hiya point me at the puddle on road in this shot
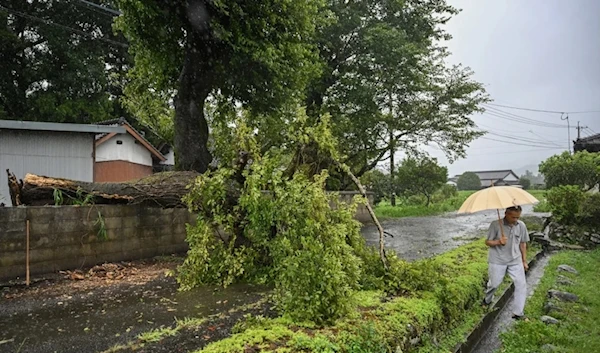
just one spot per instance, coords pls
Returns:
(422, 237)
(95, 321)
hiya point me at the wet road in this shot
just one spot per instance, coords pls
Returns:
(103, 317)
(422, 237)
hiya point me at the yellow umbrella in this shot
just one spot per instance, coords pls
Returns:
(496, 197)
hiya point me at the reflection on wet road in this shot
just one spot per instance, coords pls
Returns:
(420, 237)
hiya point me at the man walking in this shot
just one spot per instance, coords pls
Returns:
(507, 241)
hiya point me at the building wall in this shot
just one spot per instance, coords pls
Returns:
(511, 177)
(54, 154)
(170, 158)
(116, 171)
(130, 151)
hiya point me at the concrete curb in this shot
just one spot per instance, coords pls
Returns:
(473, 338)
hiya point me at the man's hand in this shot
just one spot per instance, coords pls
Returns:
(525, 265)
(502, 240)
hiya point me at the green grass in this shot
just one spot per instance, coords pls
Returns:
(385, 210)
(379, 323)
(403, 208)
(578, 330)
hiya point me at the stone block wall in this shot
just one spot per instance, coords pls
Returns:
(69, 237)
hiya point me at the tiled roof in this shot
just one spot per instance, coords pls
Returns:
(493, 174)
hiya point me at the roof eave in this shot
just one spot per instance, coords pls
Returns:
(59, 127)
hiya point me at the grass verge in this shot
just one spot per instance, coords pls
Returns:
(380, 323)
(578, 330)
(385, 210)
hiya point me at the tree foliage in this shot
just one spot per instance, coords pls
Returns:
(256, 225)
(581, 169)
(61, 62)
(377, 182)
(421, 176)
(468, 181)
(259, 54)
(525, 182)
(385, 84)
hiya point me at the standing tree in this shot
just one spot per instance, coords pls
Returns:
(525, 182)
(581, 169)
(60, 62)
(421, 176)
(257, 53)
(385, 84)
(468, 181)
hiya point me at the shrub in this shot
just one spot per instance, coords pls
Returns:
(590, 210)
(581, 169)
(565, 203)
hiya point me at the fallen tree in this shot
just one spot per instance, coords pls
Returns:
(164, 189)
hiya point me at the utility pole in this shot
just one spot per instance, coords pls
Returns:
(579, 130)
(568, 130)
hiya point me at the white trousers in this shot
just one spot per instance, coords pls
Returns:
(496, 275)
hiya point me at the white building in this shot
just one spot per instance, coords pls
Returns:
(51, 149)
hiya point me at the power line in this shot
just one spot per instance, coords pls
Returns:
(522, 118)
(525, 122)
(522, 139)
(544, 111)
(82, 5)
(50, 23)
(517, 143)
(544, 139)
(518, 151)
(105, 8)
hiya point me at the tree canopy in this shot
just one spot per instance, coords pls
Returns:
(60, 62)
(581, 169)
(259, 54)
(421, 176)
(385, 82)
(468, 181)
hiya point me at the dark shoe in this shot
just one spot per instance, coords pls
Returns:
(485, 304)
(520, 318)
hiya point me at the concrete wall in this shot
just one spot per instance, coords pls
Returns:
(66, 237)
(54, 154)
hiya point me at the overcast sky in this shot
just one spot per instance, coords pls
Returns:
(540, 54)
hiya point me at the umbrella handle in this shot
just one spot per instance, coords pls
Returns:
(501, 225)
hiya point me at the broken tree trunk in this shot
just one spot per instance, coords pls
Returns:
(363, 192)
(161, 189)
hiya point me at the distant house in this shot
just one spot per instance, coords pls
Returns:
(590, 144)
(169, 163)
(124, 157)
(51, 149)
(497, 178)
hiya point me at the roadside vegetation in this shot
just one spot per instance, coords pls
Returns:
(578, 330)
(432, 299)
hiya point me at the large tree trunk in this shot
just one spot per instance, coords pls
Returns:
(160, 190)
(191, 127)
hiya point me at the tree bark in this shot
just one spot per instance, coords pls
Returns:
(191, 127)
(160, 190)
(392, 167)
(363, 192)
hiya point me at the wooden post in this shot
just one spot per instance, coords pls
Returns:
(27, 257)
